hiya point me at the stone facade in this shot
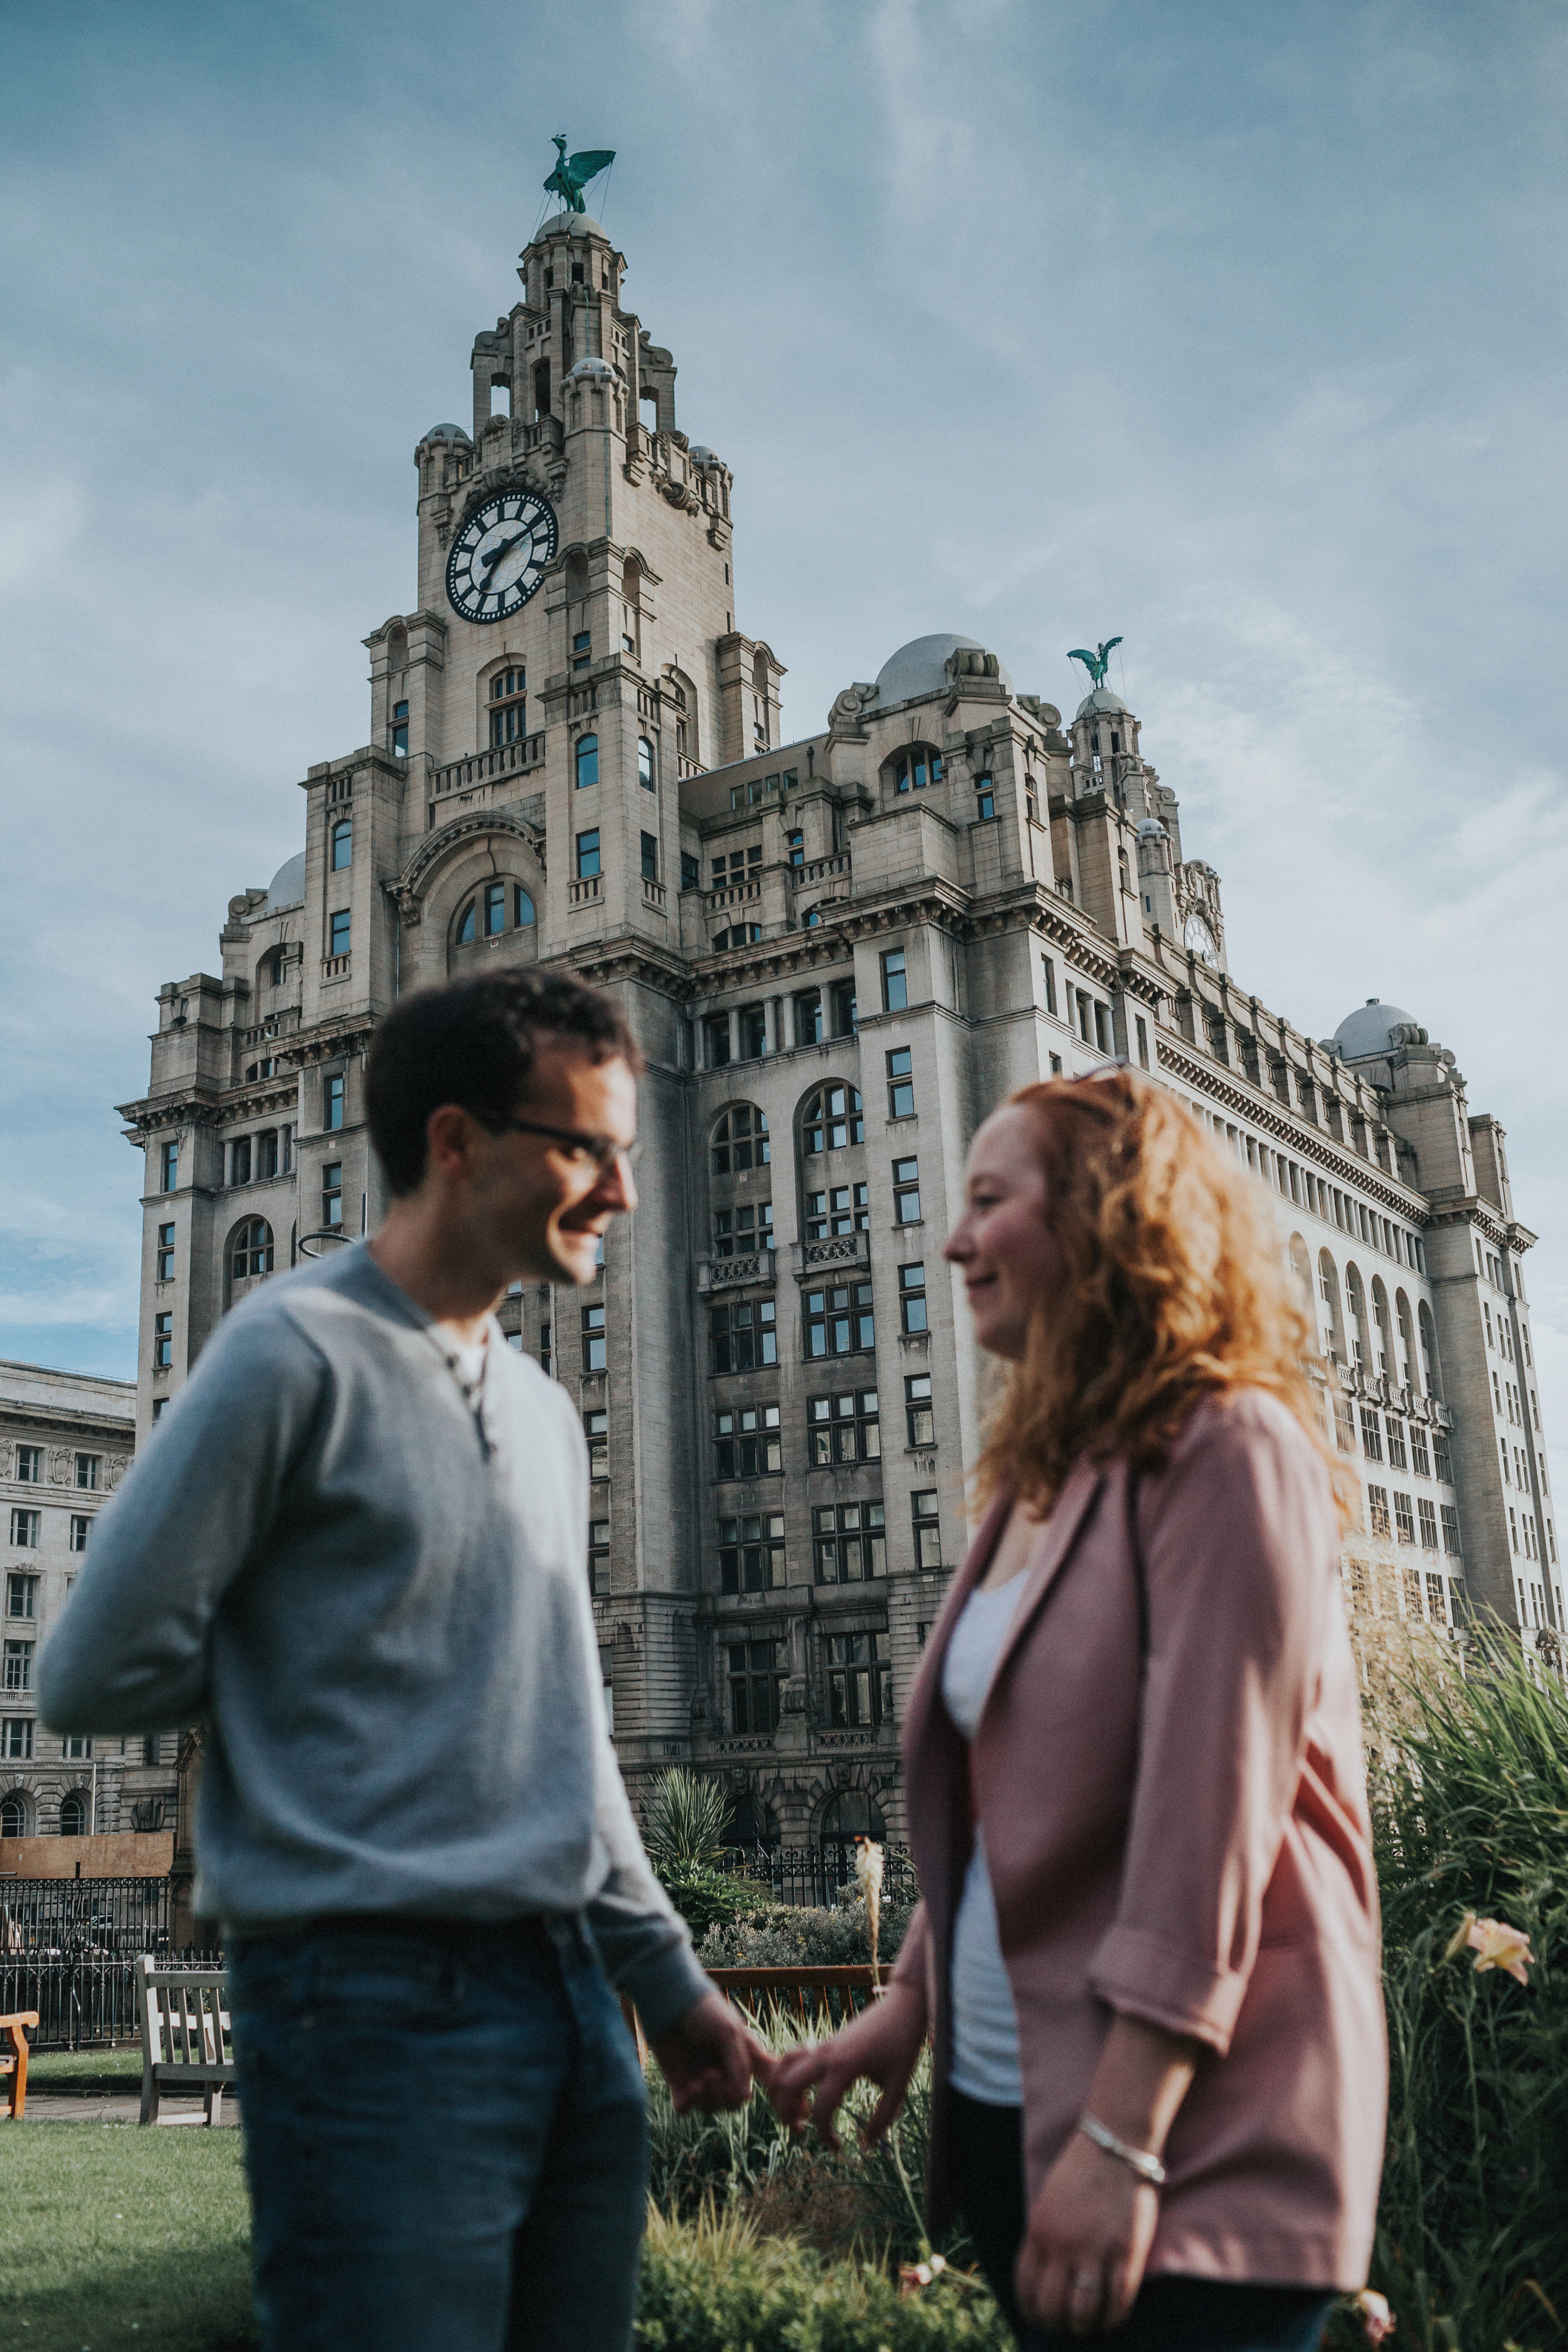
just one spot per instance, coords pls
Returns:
(837, 954)
(66, 1443)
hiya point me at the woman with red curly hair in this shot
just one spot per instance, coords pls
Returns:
(1147, 1949)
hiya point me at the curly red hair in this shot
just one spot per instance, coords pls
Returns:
(1175, 1288)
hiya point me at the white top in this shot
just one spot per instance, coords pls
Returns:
(984, 2023)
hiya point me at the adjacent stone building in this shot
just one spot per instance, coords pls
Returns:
(837, 954)
(66, 1442)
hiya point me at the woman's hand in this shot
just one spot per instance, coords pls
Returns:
(1082, 2261)
(882, 2045)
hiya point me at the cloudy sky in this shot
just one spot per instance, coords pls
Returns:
(1235, 329)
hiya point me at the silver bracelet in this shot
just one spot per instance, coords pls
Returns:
(1148, 2168)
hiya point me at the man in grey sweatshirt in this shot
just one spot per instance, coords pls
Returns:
(357, 1549)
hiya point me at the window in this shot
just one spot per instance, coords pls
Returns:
(906, 1192)
(495, 909)
(252, 1250)
(739, 935)
(691, 871)
(21, 1594)
(833, 1118)
(400, 729)
(842, 1209)
(163, 1343)
(644, 763)
(522, 907)
(73, 1814)
(839, 1322)
(594, 1340)
(809, 1019)
(13, 1814)
(649, 842)
(842, 1002)
(1428, 1519)
(239, 1160)
(985, 800)
(716, 1030)
(747, 1444)
(752, 1552)
(756, 1678)
(588, 758)
(859, 1681)
(919, 1419)
(18, 1665)
(1404, 1518)
(731, 870)
(739, 1140)
(509, 720)
(1420, 1461)
(467, 931)
(843, 1428)
(900, 1083)
(342, 845)
(742, 1338)
(332, 1194)
(1395, 1432)
(16, 1745)
(544, 1347)
(587, 855)
(339, 929)
(333, 1104)
(1371, 1435)
(912, 1298)
(160, 1405)
(1056, 1066)
(582, 649)
(267, 1153)
(88, 1469)
(794, 844)
(1441, 1460)
(752, 1024)
(1142, 1036)
(1378, 1498)
(895, 981)
(916, 770)
(595, 1429)
(79, 1525)
(927, 1521)
(598, 1555)
(30, 1466)
(849, 1543)
(740, 1231)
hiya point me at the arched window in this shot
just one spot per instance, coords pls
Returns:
(644, 763)
(274, 967)
(1407, 1372)
(509, 705)
(1328, 1291)
(13, 1814)
(342, 845)
(251, 1249)
(831, 1119)
(467, 924)
(913, 770)
(1429, 1352)
(846, 1817)
(740, 1141)
(73, 1814)
(752, 1824)
(587, 758)
(522, 909)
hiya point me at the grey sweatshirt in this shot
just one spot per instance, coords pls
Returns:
(388, 1630)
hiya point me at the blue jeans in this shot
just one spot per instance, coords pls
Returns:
(446, 2139)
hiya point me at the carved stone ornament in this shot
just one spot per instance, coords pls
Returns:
(115, 1469)
(407, 890)
(848, 716)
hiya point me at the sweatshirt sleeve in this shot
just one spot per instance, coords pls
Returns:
(643, 1940)
(130, 1652)
(1238, 1548)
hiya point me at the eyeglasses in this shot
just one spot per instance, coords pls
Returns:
(601, 1150)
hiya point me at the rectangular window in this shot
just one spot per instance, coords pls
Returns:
(1442, 1461)
(752, 1022)
(691, 871)
(21, 1594)
(1371, 1435)
(332, 1104)
(342, 845)
(1450, 1518)
(1395, 1431)
(340, 920)
(716, 1029)
(842, 1001)
(649, 857)
(859, 1682)
(598, 1556)
(794, 842)
(913, 1297)
(1420, 1460)
(18, 1665)
(752, 1552)
(171, 1167)
(332, 1194)
(1048, 971)
(838, 1209)
(741, 1232)
(843, 1428)
(895, 981)
(906, 1192)
(588, 854)
(849, 1543)
(1429, 1520)
(808, 1028)
(239, 1160)
(1404, 1518)
(756, 1678)
(985, 801)
(900, 1083)
(1378, 1498)
(742, 1338)
(747, 1443)
(596, 1430)
(30, 1466)
(88, 1468)
(266, 1153)
(594, 1339)
(839, 1322)
(582, 649)
(1143, 1034)
(79, 1525)
(164, 1264)
(400, 729)
(17, 1737)
(927, 1517)
(919, 1418)
(163, 1343)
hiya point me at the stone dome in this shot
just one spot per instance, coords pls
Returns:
(919, 667)
(446, 433)
(1101, 700)
(1368, 1030)
(590, 365)
(288, 885)
(569, 224)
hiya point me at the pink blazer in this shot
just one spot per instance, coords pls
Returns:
(1181, 1836)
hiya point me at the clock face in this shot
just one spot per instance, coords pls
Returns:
(499, 558)
(1200, 939)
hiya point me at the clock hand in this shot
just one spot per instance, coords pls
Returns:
(504, 549)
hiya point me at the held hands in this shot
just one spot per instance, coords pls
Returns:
(1082, 2260)
(708, 2058)
(882, 2045)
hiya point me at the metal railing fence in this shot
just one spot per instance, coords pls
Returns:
(818, 1875)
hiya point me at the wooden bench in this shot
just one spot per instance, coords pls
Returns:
(801, 1995)
(186, 2043)
(13, 2059)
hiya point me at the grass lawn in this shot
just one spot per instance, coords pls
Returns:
(116, 2237)
(78, 2070)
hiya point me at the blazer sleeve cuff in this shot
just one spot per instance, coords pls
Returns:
(1140, 1975)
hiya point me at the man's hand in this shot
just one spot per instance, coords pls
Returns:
(709, 2058)
(882, 2045)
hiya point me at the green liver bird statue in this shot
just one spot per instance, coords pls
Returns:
(1096, 664)
(573, 173)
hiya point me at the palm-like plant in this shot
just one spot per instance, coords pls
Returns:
(685, 1827)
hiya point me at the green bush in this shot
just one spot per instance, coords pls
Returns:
(1472, 2241)
(777, 1936)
